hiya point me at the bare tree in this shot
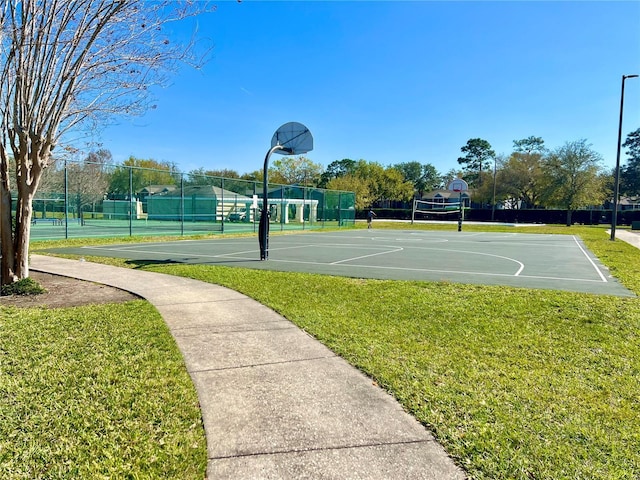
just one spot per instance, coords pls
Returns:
(83, 181)
(88, 180)
(66, 65)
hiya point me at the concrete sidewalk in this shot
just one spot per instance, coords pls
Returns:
(632, 237)
(275, 402)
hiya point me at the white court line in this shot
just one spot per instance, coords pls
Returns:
(397, 249)
(159, 252)
(421, 240)
(493, 239)
(311, 245)
(486, 274)
(604, 279)
(244, 252)
(498, 242)
(236, 255)
(517, 274)
(140, 249)
(197, 255)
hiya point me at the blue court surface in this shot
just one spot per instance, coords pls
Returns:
(559, 262)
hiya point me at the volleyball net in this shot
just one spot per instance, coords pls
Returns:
(426, 210)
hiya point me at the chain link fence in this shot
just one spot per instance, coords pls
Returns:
(87, 199)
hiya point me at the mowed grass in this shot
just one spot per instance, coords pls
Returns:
(95, 392)
(515, 383)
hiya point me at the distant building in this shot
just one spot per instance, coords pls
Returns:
(629, 203)
(195, 203)
(155, 190)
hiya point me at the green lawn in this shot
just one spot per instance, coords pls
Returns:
(515, 383)
(95, 392)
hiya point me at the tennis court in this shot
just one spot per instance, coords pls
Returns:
(558, 262)
(51, 229)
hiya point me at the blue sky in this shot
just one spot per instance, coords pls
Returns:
(394, 81)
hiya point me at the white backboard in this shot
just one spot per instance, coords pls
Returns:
(458, 185)
(294, 137)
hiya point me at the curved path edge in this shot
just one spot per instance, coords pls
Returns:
(275, 402)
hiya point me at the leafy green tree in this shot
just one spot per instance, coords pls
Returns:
(200, 176)
(336, 169)
(371, 173)
(424, 177)
(394, 186)
(630, 173)
(197, 176)
(521, 177)
(353, 183)
(255, 176)
(384, 183)
(143, 173)
(478, 156)
(529, 145)
(483, 193)
(224, 173)
(573, 177)
(411, 171)
(298, 170)
(608, 182)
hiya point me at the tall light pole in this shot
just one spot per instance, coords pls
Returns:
(495, 170)
(616, 186)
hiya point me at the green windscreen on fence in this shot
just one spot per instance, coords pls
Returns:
(100, 200)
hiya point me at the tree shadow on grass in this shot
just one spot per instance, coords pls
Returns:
(185, 261)
(146, 263)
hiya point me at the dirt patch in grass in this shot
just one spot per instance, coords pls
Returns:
(64, 292)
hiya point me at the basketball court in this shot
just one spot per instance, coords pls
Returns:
(558, 262)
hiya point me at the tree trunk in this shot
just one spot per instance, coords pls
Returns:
(7, 261)
(63, 64)
(16, 231)
(24, 213)
(568, 217)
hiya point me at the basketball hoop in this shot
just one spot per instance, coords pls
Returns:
(292, 138)
(458, 185)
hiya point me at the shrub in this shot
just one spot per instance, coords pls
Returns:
(26, 286)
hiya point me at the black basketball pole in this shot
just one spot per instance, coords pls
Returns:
(298, 140)
(460, 212)
(263, 228)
